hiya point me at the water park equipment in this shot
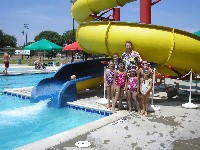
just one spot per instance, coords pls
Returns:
(190, 104)
(103, 100)
(153, 107)
(174, 51)
(158, 44)
(169, 48)
(60, 89)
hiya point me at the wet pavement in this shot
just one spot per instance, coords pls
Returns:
(172, 127)
(25, 69)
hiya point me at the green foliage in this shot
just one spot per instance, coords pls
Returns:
(7, 40)
(68, 36)
(54, 37)
(49, 35)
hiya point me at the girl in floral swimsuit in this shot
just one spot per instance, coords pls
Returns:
(119, 79)
(109, 78)
(131, 89)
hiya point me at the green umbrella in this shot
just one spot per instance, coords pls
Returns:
(43, 44)
(197, 33)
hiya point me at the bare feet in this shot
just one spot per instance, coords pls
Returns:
(145, 113)
(108, 106)
(142, 112)
(113, 110)
(119, 107)
(139, 111)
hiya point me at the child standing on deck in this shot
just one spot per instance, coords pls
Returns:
(115, 58)
(145, 88)
(119, 79)
(131, 88)
(109, 78)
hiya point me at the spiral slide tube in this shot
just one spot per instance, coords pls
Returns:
(158, 44)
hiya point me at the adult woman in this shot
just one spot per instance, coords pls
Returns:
(130, 58)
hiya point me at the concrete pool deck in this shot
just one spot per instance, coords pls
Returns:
(29, 69)
(172, 127)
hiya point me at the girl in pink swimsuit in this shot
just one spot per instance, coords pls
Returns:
(131, 89)
(119, 79)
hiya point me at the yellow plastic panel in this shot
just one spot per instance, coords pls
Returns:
(162, 45)
(93, 40)
(88, 84)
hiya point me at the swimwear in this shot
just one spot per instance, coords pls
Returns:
(6, 63)
(131, 60)
(120, 79)
(145, 85)
(132, 83)
(110, 77)
(116, 65)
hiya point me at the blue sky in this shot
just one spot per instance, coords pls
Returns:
(54, 15)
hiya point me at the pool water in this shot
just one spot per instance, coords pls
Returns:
(23, 122)
(10, 69)
(17, 81)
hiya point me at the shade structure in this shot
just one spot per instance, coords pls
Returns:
(72, 47)
(43, 44)
(197, 33)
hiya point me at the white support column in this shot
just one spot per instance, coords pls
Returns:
(189, 104)
(153, 107)
(103, 100)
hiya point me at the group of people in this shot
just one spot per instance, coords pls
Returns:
(38, 64)
(131, 76)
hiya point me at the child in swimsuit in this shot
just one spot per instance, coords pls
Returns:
(131, 88)
(145, 88)
(109, 78)
(115, 58)
(119, 79)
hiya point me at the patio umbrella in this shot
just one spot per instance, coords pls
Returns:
(43, 45)
(72, 47)
(197, 33)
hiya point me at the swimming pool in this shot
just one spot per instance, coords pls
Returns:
(24, 69)
(17, 81)
(23, 122)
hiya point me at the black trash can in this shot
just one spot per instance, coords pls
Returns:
(19, 61)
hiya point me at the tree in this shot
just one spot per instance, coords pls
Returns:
(7, 40)
(49, 35)
(68, 36)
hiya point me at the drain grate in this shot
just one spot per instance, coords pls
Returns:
(82, 144)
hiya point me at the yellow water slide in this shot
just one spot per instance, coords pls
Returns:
(158, 44)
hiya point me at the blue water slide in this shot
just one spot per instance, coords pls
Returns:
(60, 89)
